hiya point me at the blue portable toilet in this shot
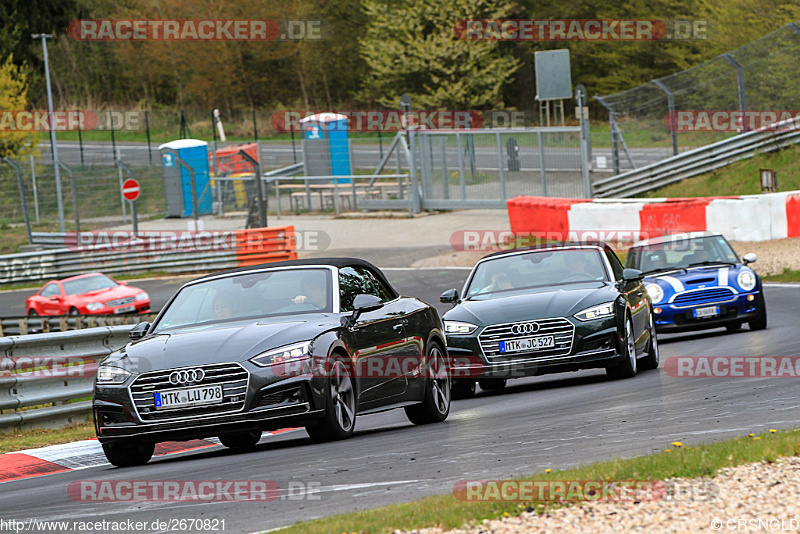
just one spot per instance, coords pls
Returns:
(178, 181)
(326, 146)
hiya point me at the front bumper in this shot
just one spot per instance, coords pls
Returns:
(739, 310)
(595, 345)
(271, 402)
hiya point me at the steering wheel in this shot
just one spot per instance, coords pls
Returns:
(578, 277)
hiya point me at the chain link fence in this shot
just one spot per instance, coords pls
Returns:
(666, 116)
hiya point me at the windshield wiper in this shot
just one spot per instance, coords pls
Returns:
(709, 262)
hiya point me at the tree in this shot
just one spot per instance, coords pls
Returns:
(411, 47)
(14, 97)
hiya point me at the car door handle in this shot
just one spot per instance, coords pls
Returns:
(398, 328)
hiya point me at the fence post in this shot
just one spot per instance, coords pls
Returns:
(147, 128)
(118, 160)
(740, 80)
(500, 166)
(74, 187)
(673, 122)
(262, 205)
(22, 197)
(35, 191)
(585, 141)
(113, 139)
(542, 168)
(80, 140)
(461, 180)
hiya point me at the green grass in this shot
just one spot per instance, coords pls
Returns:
(17, 440)
(788, 275)
(739, 178)
(448, 512)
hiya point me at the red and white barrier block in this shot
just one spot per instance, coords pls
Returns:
(739, 218)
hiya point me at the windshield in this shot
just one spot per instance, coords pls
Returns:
(518, 272)
(682, 253)
(88, 284)
(250, 296)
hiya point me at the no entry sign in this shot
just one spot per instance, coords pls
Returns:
(130, 189)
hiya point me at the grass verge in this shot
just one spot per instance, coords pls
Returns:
(17, 440)
(788, 275)
(448, 512)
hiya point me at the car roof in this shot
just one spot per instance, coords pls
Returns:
(670, 238)
(333, 262)
(548, 246)
(79, 276)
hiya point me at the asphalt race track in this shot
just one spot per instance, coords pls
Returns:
(554, 421)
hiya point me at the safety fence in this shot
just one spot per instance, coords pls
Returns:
(118, 252)
(45, 379)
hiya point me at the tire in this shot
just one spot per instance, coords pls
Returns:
(761, 322)
(340, 415)
(241, 440)
(124, 454)
(73, 311)
(32, 313)
(626, 368)
(733, 327)
(492, 384)
(435, 405)
(651, 360)
(462, 389)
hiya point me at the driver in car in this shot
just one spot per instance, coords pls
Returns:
(313, 293)
(577, 264)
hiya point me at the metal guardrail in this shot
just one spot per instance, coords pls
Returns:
(178, 252)
(41, 374)
(14, 326)
(698, 161)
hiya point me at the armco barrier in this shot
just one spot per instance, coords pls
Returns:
(52, 369)
(162, 251)
(14, 326)
(739, 218)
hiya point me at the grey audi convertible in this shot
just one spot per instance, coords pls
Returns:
(311, 343)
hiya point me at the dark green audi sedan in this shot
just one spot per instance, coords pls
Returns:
(548, 309)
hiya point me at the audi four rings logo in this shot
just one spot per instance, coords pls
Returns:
(525, 328)
(186, 375)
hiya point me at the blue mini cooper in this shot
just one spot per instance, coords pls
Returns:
(696, 281)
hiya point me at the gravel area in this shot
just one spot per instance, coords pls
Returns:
(760, 497)
(773, 256)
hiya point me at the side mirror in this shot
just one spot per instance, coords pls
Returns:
(631, 275)
(123, 283)
(139, 331)
(55, 297)
(365, 303)
(449, 297)
(750, 257)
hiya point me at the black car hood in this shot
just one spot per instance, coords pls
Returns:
(541, 303)
(224, 342)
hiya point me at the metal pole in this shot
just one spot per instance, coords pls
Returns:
(255, 125)
(740, 76)
(136, 218)
(113, 138)
(586, 143)
(294, 150)
(22, 197)
(461, 180)
(74, 187)
(612, 125)
(443, 145)
(673, 120)
(80, 139)
(122, 200)
(53, 144)
(262, 202)
(542, 169)
(380, 143)
(147, 127)
(500, 166)
(35, 192)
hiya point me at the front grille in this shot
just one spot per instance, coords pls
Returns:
(703, 296)
(120, 302)
(562, 331)
(232, 376)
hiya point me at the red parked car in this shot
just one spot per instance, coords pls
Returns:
(87, 294)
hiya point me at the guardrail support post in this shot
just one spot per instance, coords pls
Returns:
(673, 120)
(262, 204)
(612, 126)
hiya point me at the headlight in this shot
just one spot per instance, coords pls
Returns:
(746, 280)
(107, 374)
(94, 306)
(459, 328)
(655, 292)
(596, 312)
(295, 351)
(142, 296)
